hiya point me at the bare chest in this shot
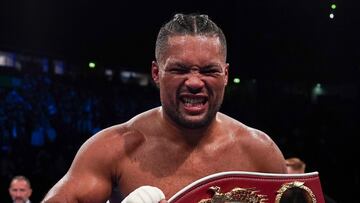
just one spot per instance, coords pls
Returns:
(169, 182)
(171, 174)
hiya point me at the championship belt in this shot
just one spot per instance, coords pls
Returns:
(252, 187)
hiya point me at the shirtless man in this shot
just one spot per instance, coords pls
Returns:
(183, 140)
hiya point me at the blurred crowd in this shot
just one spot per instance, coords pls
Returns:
(44, 120)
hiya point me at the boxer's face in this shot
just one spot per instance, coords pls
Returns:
(192, 76)
(19, 191)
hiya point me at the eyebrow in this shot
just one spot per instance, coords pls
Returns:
(181, 63)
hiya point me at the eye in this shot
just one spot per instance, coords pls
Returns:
(211, 70)
(178, 70)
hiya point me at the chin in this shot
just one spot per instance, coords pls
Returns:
(194, 123)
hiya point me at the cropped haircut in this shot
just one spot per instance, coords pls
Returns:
(295, 163)
(188, 24)
(23, 178)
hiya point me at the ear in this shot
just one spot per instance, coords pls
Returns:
(226, 73)
(155, 72)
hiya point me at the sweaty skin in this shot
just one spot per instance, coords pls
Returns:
(173, 145)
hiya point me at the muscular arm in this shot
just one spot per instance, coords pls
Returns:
(268, 155)
(89, 177)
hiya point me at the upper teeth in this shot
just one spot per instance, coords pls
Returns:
(193, 100)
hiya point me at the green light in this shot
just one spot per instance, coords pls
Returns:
(92, 65)
(333, 6)
(237, 80)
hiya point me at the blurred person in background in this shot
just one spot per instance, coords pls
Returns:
(295, 165)
(20, 189)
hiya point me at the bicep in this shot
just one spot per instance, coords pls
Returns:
(88, 179)
(84, 188)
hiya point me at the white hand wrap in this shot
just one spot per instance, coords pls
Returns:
(145, 194)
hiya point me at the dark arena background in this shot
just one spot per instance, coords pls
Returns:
(71, 68)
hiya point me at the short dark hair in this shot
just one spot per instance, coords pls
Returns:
(21, 177)
(188, 24)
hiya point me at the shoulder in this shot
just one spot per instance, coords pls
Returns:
(242, 131)
(119, 139)
(256, 144)
(131, 128)
(99, 161)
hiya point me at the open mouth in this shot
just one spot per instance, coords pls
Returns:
(193, 102)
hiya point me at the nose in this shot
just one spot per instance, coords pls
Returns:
(194, 83)
(18, 193)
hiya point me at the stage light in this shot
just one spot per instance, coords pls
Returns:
(331, 15)
(92, 65)
(318, 90)
(333, 6)
(236, 80)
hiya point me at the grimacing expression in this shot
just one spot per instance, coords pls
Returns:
(192, 75)
(20, 191)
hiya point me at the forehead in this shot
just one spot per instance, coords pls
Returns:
(19, 183)
(197, 41)
(194, 47)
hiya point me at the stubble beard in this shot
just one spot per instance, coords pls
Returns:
(20, 201)
(179, 118)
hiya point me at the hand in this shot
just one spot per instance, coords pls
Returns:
(145, 194)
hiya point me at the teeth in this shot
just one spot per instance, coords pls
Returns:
(193, 100)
